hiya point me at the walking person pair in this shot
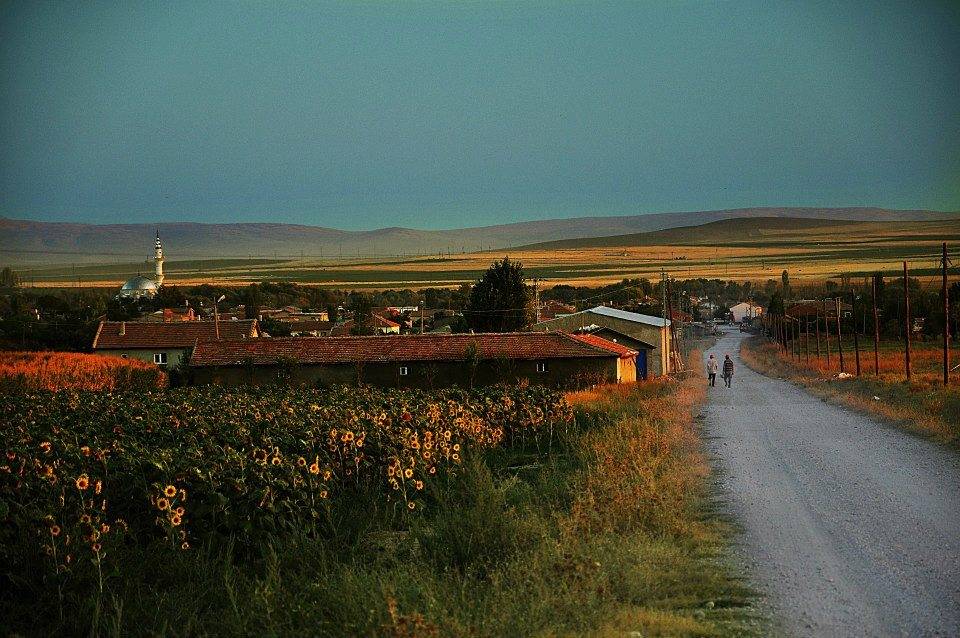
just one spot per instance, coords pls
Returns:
(713, 366)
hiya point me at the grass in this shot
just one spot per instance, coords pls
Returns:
(923, 406)
(609, 533)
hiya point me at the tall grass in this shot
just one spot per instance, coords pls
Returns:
(28, 371)
(923, 405)
(607, 533)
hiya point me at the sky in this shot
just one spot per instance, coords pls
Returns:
(362, 115)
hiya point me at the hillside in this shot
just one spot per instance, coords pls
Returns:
(32, 242)
(766, 230)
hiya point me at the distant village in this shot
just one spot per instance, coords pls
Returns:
(560, 336)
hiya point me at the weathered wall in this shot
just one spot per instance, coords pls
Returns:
(654, 335)
(428, 375)
(174, 355)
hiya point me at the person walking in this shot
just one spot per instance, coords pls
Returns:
(712, 367)
(727, 370)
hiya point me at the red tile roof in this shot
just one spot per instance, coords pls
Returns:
(380, 348)
(168, 335)
(599, 342)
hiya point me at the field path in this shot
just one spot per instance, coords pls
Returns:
(850, 527)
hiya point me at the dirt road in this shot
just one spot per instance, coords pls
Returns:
(850, 527)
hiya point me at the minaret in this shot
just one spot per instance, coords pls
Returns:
(158, 260)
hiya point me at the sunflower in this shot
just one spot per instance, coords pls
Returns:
(185, 545)
(85, 518)
(179, 511)
(162, 503)
(301, 462)
(104, 528)
(55, 530)
(408, 472)
(327, 474)
(83, 482)
(411, 505)
(175, 520)
(98, 487)
(96, 547)
(418, 485)
(314, 468)
(276, 460)
(323, 493)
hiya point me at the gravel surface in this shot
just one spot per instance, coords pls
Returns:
(849, 527)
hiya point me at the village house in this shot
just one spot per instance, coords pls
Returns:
(165, 344)
(624, 340)
(745, 311)
(418, 361)
(379, 325)
(653, 332)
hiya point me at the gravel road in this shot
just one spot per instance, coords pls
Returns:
(849, 527)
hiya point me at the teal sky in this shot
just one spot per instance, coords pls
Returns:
(437, 115)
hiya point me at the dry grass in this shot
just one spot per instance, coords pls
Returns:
(69, 370)
(923, 405)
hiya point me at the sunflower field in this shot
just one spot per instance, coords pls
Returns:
(85, 472)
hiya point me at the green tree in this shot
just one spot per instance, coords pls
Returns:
(785, 284)
(500, 300)
(9, 278)
(362, 307)
(776, 304)
(252, 300)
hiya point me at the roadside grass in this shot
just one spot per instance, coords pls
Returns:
(923, 405)
(608, 533)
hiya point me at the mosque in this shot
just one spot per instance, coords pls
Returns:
(139, 287)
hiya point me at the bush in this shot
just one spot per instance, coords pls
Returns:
(28, 371)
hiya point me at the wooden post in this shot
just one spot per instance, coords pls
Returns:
(946, 320)
(795, 331)
(806, 339)
(839, 334)
(907, 325)
(817, 327)
(826, 330)
(856, 337)
(876, 332)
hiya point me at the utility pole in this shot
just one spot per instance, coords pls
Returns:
(907, 327)
(826, 331)
(536, 297)
(856, 339)
(817, 326)
(423, 309)
(670, 315)
(839, 335)
(946, 320)
(876, 332)
(664, 338)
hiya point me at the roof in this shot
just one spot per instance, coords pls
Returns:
(599, 342)
(594, 329)
(182, 334)
(383, 348)
(139, 283)
(606, 311)
(747, 304)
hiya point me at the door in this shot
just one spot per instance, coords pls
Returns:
(642, 364)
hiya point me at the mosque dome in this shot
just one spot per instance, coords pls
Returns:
(138, 287)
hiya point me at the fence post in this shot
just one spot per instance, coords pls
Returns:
(946, 320)
(806, 339)
(839, 334)
(908, 323)
(856, 338)
(876, 332)
(826, 331)
(817, 327)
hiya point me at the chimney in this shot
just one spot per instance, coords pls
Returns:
(123, 328)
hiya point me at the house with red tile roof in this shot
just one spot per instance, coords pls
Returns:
(166, 344)
(425, 361)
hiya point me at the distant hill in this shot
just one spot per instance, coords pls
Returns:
(23, 241)
(761, 229)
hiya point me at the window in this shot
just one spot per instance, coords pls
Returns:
(404, 371)
(542, 366)
(160, 358)
(123, 356)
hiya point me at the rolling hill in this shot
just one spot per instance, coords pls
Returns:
(32, 242)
